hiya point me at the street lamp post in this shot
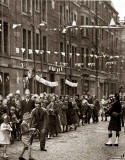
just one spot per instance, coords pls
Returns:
(34, 57)
(65, 50)
(97, 59)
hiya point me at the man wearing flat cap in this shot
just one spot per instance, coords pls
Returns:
(39, 120)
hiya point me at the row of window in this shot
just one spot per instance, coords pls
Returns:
(66, 16)
(106, 37)
(85, 58)
(40, 43)
(103, 10)
(27, 6)
(40, 6)
(70, 59)
(100, 6)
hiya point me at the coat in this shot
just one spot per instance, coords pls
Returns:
(72, 117)
(39, 118)
(63, 116)
(27, 106)
(115, 121)
(54, 122)
(57, 111)
(96, 106)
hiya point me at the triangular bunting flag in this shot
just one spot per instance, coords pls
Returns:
(112, 22)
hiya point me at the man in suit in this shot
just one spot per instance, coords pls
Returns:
(27, 105)
(39, 120)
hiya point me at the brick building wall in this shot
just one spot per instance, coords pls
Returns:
(34, 38)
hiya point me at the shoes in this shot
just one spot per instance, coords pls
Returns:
(116, 145)
(43, 149)
(106, 144)
(109, 143)
(5, 156)
(21, 158)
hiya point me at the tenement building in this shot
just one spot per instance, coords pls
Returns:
(122, 53)
(58, 46)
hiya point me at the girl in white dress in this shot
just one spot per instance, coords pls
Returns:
(5, 134)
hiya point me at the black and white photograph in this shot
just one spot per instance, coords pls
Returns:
(62, 79)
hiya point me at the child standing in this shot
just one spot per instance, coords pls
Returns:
(27, 133)
(13, 122)
(5, 134)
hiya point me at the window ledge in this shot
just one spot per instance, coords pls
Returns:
(85, 37)
(76, 4)
(5, 56)
(37, 11)
(26, 14)
(5, 5)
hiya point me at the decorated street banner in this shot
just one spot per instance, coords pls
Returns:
(71, 84)
(45, 82)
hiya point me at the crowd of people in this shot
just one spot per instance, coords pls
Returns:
(49, 115)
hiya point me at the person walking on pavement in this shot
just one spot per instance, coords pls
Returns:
(52, 123)
(96, 109)
(115, 121)
(39, 120)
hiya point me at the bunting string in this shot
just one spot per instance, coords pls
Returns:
(30, 51)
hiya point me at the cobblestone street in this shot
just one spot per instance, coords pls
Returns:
(87, 143)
